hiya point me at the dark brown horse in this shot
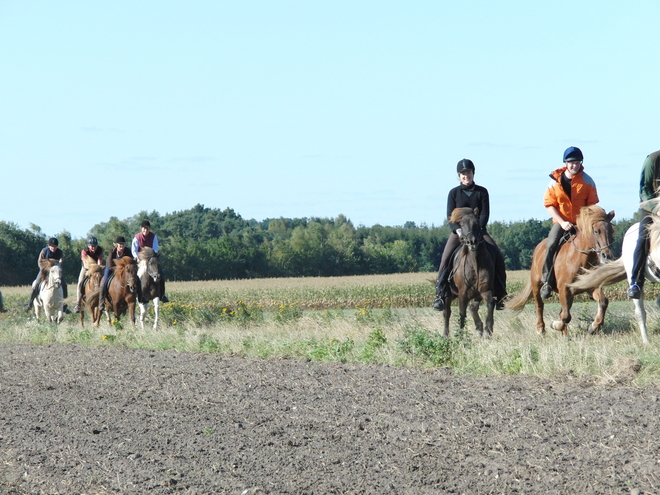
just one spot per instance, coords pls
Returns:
(586, 249)
(122, 290)
(90, 293)
(149, 273)
(473, 274)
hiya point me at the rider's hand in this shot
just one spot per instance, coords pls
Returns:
(566, 225)
(459, 232)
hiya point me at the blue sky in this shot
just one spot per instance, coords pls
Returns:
(301, 109)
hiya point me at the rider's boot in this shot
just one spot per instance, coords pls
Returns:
(440, 291)
(33, 296)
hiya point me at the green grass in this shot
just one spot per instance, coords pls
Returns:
(365, 320)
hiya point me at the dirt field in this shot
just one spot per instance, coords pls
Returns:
(79, 420)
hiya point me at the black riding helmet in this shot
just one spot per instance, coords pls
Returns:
(53, 242)
(92, 241)
(464, 165)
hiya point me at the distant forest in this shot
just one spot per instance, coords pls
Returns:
(209, 244)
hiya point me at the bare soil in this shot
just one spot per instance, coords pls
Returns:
(82, 420)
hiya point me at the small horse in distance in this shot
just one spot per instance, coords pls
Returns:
(588, 248)
(51, 294)
(90, 292)
(621, 269)
(122, 290)
(149, 274)
(473, 274)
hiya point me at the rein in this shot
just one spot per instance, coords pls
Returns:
(571, 238)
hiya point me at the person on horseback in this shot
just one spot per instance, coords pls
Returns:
(469, 194)
(649, 188)
(146, 238)
(569, 190)
(119, 251)
(92, 252)
(50, 252)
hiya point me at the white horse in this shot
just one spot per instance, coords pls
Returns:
(621, 269)
(149, 275)
(51, 295)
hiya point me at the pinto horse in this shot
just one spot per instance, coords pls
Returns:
(473, 274)
(149, 273)
(586, 249)
(621, 269)
(90, 292)
(122, 289)
(51, 294)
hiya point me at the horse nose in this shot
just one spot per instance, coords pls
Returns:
(606, 255)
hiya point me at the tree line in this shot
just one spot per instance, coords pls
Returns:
(209, 244)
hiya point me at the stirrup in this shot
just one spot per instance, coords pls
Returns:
(546, 291)
(634, 291)
(439, 304)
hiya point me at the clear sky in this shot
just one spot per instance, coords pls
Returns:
(316, 108)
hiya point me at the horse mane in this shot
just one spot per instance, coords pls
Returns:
(46, 264)
(122, 264)
(94, 268)
(588, 216)
(146, 253)
(458, 214)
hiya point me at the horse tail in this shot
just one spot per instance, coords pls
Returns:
(606, 274)
(519, 301)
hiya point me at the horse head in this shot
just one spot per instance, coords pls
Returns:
(471, 235)
(150, 258)
(127, 273)
(55, 276)
(597, 228)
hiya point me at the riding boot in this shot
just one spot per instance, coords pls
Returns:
(441, 291)
(163, 297)
(104, 292)
(33, 295)
(639, 260)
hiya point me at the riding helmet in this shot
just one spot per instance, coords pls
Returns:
(120, 240)
(464, 165)
(92, 241)
(53, 242)
(145, 223)
(573, 154)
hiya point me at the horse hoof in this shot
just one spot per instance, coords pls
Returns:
(558, 325)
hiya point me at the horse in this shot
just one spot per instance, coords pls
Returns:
(149, 274)
(589, 247)
(51, 294)
(90, 292)
(473, 274)
(621, 269)
(122, 290)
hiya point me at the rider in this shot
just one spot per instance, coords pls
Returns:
(469, 194)
(94, 252)
(50, 252)
(146, 238)
(569, 190)
(118, 252)
(649, 188)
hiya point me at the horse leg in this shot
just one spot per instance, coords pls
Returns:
(447, 314)
(597, 325)
(538, 304)
(156, 311)
(566, 300)
(131, 311)
(640, 314)
(474, 311)
(490, 318)
(462, 310)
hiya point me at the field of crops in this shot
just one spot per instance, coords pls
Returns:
(374, 319)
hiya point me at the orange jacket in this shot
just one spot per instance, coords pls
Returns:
(583, 193)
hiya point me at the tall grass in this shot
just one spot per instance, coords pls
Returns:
(380, 319)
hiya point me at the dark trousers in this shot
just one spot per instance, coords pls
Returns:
(551, 246)
(641, 252)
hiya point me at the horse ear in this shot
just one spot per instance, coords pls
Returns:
(476, 212)
(610, 215)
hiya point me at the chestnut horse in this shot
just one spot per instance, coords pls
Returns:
(149, 274)
(122, 289)
(586, 249)
(621, 269)
(473, 274)
(90, 292)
